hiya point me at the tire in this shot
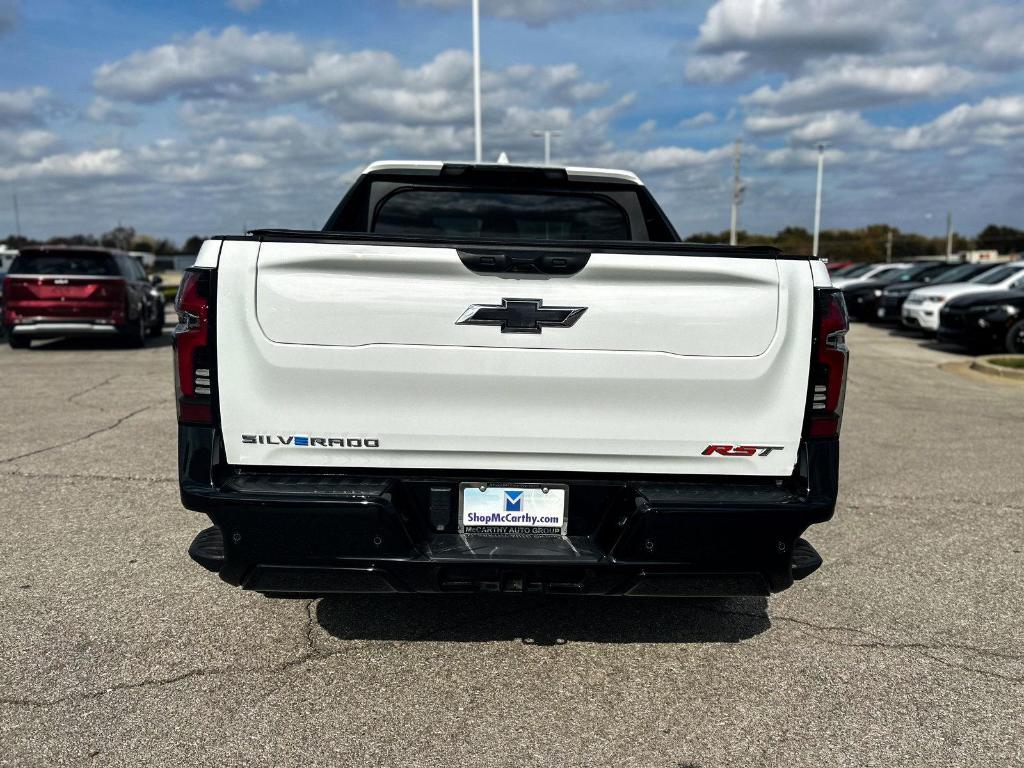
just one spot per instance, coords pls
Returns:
(18, 342)
(157, 328)
(1014, 342)
(134, 332)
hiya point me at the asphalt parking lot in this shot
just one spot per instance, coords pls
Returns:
(905, 649)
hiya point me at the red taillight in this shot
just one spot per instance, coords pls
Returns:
(16, 288)
(828, 364)
(193, 351)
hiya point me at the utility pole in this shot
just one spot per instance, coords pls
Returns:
(737, 191)
(547, 143)
(477, 108)
(949, 235)
(17, 216)
(888, 247)
(817, 199)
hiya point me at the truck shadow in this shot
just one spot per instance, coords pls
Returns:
(543, 620)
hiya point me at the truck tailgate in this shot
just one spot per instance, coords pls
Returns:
(350, 355)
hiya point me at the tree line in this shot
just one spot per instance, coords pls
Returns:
(865, 244)
(870, 243)
(123, 238)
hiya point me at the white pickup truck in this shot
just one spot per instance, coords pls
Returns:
(495, 378)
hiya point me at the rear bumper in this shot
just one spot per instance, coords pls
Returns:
(923, 316)
(319, 533)
(49, 329)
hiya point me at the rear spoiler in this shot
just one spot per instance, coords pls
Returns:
(590, 246)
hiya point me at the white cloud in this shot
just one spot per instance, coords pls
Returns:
(784, 31)
(699, 120)
(203, 65)
(26, 145)
(832, 126)
(800, 157)
(537, 13)
(102, 110)
(720, 68)
(992, 121)
(100, 163)
(666, 159)
(992, 35)
(23, 106)
(770, 123)
(855, 84)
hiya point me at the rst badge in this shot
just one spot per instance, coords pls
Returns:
(740, 450)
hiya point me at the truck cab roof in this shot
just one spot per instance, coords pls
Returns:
(441, 168)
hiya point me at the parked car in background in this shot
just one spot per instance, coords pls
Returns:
(54, 291)
(838, 267)
(170, 269)
(873, 272)
(862, 295)
(890, 303)
(992, 321)
(852, 270)
(922, 307)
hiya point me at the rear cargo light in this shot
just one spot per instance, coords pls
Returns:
(828, 365)
(193, 349)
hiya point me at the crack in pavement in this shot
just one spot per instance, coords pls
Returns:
(66, 443)
(878, 642)
(313, 654)
(93, 388)
(82, 476)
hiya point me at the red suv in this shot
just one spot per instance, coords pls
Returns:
(53, 291)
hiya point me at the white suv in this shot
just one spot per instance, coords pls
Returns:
(921, 309)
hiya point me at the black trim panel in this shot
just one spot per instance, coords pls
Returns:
(590, 246)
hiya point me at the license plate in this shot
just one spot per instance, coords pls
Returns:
(512, 509)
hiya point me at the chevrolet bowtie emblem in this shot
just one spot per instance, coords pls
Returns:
(521, 315)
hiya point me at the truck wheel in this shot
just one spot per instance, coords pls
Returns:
(134, 332)
(18, 342)
(1015, 338)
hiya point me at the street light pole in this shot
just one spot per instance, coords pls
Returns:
(817, 199)
(737, 192)
(17, 216)
(949, 236)
(477, 110)
(547, 143)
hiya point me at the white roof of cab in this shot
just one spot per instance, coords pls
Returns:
(432, 166)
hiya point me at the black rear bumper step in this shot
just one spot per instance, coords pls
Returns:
(805, 560)
(207, 549)
(395, 578)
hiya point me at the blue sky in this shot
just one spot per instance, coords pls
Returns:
(211, 116)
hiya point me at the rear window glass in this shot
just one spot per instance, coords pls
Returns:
(64, 264)
(500, 215)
